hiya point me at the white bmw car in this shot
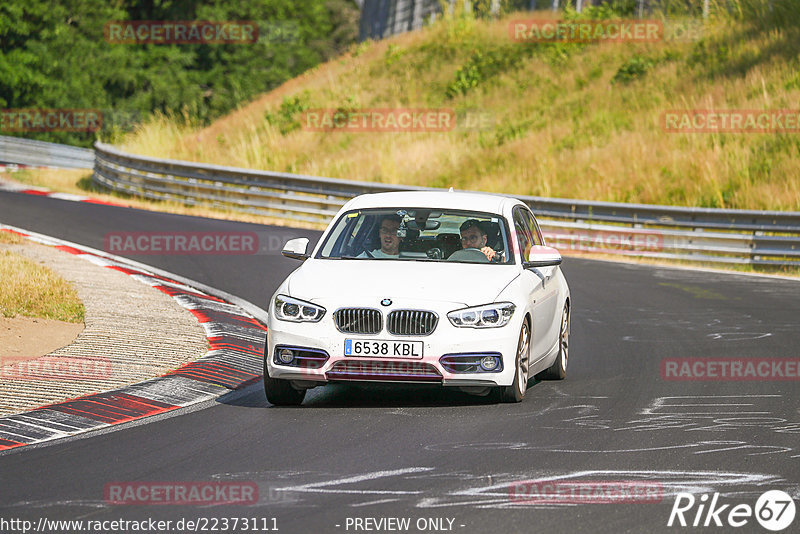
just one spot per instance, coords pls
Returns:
(449, 288)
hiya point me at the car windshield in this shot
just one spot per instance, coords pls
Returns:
(419, 234)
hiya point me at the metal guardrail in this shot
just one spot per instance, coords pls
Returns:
(693, 234)
(42, 154)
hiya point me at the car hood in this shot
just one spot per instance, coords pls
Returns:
(459, 283)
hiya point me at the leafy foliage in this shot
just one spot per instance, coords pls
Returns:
(286, 118)
(53, 55)
(635, 67)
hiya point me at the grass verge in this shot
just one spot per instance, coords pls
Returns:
(32, 290)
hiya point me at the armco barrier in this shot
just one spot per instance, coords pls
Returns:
(670, 232)
(42, 154)
(694, 234)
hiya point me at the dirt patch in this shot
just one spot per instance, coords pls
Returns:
(24, 338)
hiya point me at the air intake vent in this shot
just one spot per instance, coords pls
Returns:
(358, 320)
(388, 371)
(411, 322)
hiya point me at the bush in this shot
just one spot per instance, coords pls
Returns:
(285, 119)
(635, 68)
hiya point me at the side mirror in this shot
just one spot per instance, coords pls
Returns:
(541, 256)
(296, 248)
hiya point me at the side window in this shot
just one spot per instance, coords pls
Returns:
(345, 240)
(336, 240)
(533, 226)
(523, 232)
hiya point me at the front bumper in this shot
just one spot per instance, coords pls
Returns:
(445, 340)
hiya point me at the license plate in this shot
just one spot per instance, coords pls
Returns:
(383, 348)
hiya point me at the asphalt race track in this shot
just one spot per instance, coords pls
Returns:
(442, 457)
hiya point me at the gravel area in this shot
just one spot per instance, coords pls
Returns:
(132, 332)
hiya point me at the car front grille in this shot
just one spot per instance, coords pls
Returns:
(384, 370)
(358, 320)
(411, 322)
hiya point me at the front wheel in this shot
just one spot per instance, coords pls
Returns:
(558, 371)
(280, 392)
(516, 391)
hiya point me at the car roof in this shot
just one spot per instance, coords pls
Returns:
(460, 200)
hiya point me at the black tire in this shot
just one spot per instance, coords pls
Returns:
(516, 391)
(558, 371)
(280, 392)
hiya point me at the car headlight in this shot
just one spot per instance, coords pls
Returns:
(486, 316)
(296, 310)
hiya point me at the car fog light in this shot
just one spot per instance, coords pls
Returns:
(286, 356)
(489, 363)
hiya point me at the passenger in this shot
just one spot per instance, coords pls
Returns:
(390, 242)
(474, 236)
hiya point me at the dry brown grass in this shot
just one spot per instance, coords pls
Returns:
(61, 180)
(10, 238)
(563, 127)
(33, 290)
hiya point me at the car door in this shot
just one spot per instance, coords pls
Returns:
(549, 313)
(534, 284)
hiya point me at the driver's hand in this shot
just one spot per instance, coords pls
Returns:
(489, 252)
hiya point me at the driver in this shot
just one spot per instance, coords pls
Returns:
(473, 236)
(390, 242)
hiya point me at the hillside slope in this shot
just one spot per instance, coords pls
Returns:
(569, 120)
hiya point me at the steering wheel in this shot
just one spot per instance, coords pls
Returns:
(471, 255)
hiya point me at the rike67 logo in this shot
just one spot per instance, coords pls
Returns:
(774, 510)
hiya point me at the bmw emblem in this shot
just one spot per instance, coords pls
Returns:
(386, 302)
